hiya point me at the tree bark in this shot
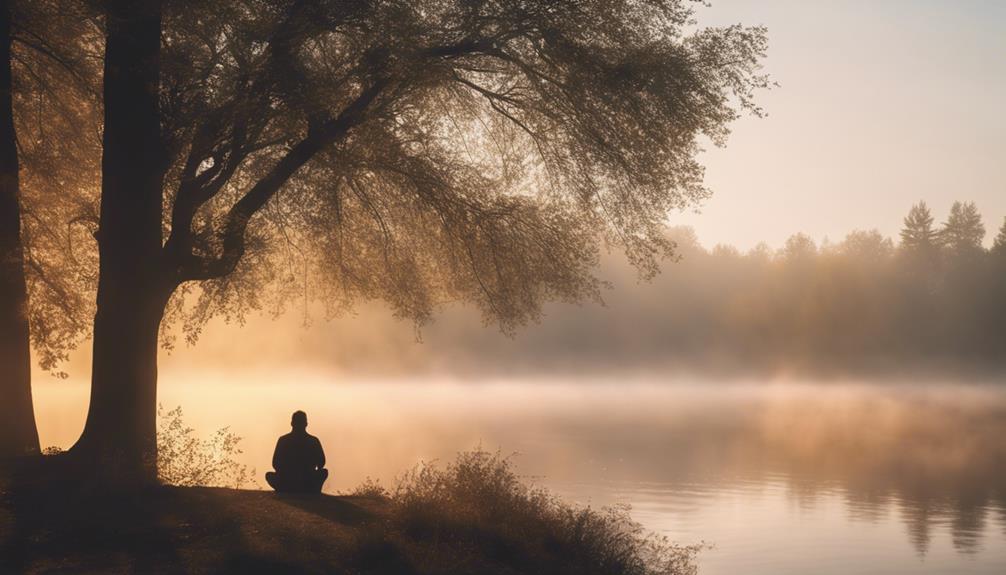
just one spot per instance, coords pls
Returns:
(119, 439)
(18, 434)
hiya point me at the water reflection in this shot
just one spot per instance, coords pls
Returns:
(887, 476)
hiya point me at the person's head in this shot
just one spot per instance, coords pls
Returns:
(299, 420)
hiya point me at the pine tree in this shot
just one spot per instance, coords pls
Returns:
(963, 230)
(918, 234)
(999, 244)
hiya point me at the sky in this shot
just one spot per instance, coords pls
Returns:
(880, 104)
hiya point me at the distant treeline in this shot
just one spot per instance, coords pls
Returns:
(936, 298)
(930, 303)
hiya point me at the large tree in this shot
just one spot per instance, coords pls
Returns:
(46, 145)
(416, 152)
(18, 435)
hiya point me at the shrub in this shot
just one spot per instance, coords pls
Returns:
(370, 488)
(186, 460)
(479, 505)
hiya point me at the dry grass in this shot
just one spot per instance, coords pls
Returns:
(477, 511)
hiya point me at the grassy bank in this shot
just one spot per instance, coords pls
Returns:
(472, 516)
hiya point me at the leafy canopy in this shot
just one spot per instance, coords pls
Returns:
(55, 65)
(426, 152)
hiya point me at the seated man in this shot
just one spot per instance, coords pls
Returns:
(298, 460)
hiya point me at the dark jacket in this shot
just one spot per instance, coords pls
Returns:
(298, 453)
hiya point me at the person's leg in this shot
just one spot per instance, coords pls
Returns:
(272, 478)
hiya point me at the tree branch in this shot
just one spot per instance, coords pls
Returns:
(236, 223)
(195, 188)
(36, 43)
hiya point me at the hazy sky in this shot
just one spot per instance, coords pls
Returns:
(881, 103)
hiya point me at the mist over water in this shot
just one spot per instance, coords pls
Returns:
(780, 477)
(861, 308)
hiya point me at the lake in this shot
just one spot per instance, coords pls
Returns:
(781, 478)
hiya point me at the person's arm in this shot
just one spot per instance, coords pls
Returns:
(321, 454)
(277, 459)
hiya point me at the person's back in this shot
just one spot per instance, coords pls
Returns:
(298, 451)
(299, 460)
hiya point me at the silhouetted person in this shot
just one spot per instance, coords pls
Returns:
(299, 460)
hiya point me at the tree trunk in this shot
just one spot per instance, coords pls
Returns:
(119, 438)
(18, 435)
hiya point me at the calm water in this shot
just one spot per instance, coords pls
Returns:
(777, 478)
